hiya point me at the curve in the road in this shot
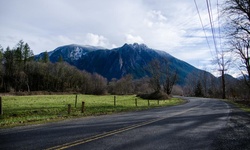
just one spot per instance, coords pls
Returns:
(110, 133)
(194, 125)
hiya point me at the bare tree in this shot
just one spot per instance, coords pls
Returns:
(154, 69)
(99, 84)
(223, 64)
(237, 13)
(191, 81)
(177, 90)
(122, 86)
(171, 78)
(142, 86)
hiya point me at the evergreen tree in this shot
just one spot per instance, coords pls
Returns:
(19, 51)
(1, 68)
(1, 53)
(27, 53)
(9, 58)
(45, 58)
(199, 90)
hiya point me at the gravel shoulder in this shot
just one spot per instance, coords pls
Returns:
(236, 134)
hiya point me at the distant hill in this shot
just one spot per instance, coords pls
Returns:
(115, 63)
(228, 79)
(243, 77)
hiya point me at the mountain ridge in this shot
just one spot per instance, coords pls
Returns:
(115, 63)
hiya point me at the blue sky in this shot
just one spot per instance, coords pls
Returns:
(169, 25)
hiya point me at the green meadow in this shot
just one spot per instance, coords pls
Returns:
(23, 110)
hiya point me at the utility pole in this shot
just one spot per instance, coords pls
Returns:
(223, 83)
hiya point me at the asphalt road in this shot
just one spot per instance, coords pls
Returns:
(199, 124)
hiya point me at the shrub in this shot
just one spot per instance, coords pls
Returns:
(158, 95)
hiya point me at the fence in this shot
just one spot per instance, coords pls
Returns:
(48, 107)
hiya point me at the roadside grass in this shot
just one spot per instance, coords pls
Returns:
(240, 105)
(23, 110)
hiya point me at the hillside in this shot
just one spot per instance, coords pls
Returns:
(115, 63)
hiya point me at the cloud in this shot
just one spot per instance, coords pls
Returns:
(133, 39)
(156, 17)
(96, 40)
(172, 26)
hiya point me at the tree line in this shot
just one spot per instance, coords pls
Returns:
(19, 72)
(204, 85)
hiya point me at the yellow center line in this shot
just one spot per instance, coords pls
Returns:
(99, 136)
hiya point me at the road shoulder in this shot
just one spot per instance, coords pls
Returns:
(236, 133)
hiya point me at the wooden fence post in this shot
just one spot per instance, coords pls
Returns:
(158, 102)
(76, 101)
(114, 100)
(148, 103)
(82, 106)
(69, 108)
(136, 102)
(1, 106)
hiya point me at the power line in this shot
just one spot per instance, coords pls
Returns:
(211, 25)
(202, 24)
(211, 20)
(218, 13)
(211, 12)
(209, 9)
(220, 63)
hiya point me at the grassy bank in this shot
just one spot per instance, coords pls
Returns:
(243, 105)
(21, 110)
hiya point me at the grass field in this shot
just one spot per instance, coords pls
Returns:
(22, 110)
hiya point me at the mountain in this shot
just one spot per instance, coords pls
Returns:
(131, 59)
(69, 53)
(228, 79)
(243, 77)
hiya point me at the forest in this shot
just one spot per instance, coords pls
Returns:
(20, 73)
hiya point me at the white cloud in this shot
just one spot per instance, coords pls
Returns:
(96, 40)
(173, 26)
(133, 39)
(156, 16)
